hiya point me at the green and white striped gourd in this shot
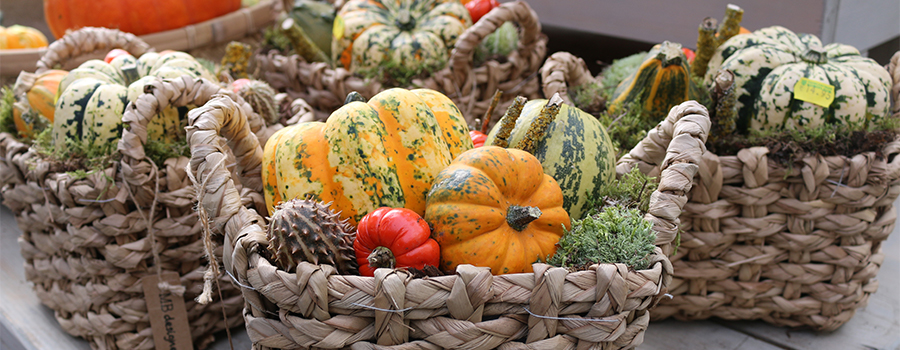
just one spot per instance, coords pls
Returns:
(413, 34)
(769, 62)
(93, 97)
(575, 150)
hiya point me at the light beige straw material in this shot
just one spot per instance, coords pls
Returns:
(561, 71)
(605, 306)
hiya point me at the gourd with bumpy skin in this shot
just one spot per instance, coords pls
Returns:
(92, 97)
(769, 62)
(413, 34)
(573, 148)
(261, 98)
(306, 230)
(366, 155)
(495, 207)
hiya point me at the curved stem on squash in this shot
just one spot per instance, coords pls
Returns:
(382, 257)
(539, 127)
(490, 111)
(706, 47)
(354, 96)
(508, 122)
(519, 217)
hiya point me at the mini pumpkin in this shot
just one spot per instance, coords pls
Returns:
(380, 153)
(414, 34)
(495, 207)
(394, 238)
(21, 37)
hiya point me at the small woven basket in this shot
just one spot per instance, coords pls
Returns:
(604, 307)
(793, 247)
(89, 241)
(471, 88)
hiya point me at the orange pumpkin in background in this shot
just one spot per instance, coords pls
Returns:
(138, 17)
(21, 37)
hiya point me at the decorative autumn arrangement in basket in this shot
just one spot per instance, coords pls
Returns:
(102, 197)
(796, 195)
(385, 227)
(432, 44)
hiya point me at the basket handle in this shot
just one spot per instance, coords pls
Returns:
(560, 68)
(675, 148)
(462, 56)
(89, 39)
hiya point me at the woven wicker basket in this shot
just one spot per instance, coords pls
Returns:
(89, 242)
(793, 247)
(471, 88)
(605, 307)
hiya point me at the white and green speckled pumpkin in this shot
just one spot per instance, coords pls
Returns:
(93, 97)
(410, 33)
(769, 62)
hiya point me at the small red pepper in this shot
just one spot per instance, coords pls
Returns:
(479, 8)
(689, 54)
(392, 238)
(478, 137)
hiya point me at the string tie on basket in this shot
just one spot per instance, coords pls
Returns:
(380, 309)
(212, 271)
(568, 318)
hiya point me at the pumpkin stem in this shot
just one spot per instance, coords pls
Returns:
(490, 111)
(382, 257)
(354, 96)
(815, 54)
(725, 100)
(405, 21)
(519, 217)
(731, 25)
(303, 45)
(706, 47)
(539, 127)
(670, 53)
(508, 122)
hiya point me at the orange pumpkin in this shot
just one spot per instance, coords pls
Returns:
(495, 207)
(21, 37)
(138, 17)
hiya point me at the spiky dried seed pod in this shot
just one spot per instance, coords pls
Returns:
(261, 98)
(307, 230)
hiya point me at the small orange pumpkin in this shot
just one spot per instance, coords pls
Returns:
(495, 207)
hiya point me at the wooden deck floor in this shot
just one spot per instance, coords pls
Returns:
(25, 324)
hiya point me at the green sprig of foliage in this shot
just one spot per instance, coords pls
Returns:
(628, 128)
(273, 38)
(76, 158)
(588, 97)
(7, 122)
(632, 190)
(614, 235)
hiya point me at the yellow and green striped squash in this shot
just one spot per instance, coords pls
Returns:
(92, 97)
(413, 34)
(769, 62)
(575, 150)
(384, 152)
(661, 82)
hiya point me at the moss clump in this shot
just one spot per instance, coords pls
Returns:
(788, 147)
(394, 74)
(274, 39)
(589, 97)
(7, 122)
(158, 151)
(75, 156)
(628, 128)
(615, 234)
(614, 231)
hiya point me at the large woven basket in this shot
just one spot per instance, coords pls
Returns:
(471, 88)
(88, 242)
(792, 246)
(605, 307)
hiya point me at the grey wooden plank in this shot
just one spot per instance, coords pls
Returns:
(876, 326)
(698, 335)
(25, 324)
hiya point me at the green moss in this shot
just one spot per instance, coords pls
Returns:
(627, 129)
(75, 157)
(616, 234)
(588, 97)
(274, 39)
(7, 122)
(393, 74)
(632, 190)
(158, 151)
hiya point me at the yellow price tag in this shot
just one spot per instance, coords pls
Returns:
(814, 92)
(338, 29)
